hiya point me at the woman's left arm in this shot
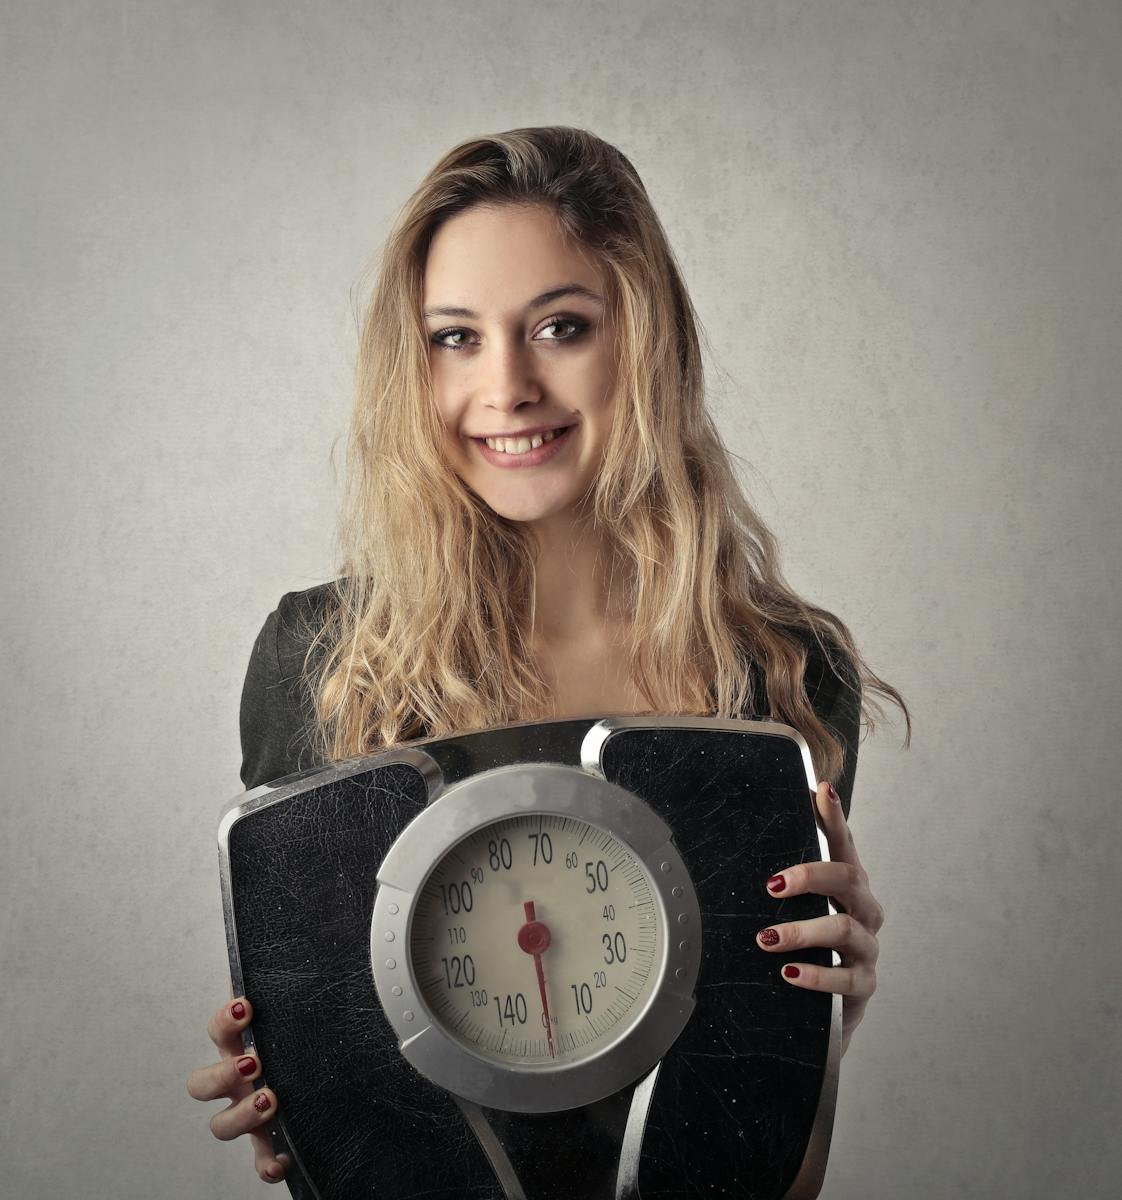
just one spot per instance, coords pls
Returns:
(852, 931)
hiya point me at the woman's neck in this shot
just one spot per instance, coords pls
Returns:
(576, 596)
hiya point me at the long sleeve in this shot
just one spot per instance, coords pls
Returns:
(837, 703)
(844, 717)
(276, 720)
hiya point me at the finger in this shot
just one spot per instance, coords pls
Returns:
(226, 1078)
(245, 1114)
(271, 1168)
(859, 981)
(225, 1027)
(838, 932)
(843, 882)
(834, 824)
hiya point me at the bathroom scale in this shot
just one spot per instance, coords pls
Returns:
(520, 963)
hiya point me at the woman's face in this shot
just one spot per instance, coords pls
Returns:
(512, 361)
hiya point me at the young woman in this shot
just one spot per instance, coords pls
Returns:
(541, 521)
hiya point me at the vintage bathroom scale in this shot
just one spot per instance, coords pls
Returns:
(520, 963)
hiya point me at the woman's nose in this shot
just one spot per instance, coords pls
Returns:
(508, 378)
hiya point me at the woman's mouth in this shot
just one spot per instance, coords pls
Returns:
(524, 451)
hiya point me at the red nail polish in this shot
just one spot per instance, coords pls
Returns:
(790, 971)
(246, 1066)
(237, 1010)
(776, 883)
(261, 1103)
(769, 937)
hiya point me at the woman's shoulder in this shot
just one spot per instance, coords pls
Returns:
(830, 677)
(277, 709)
(298, 618)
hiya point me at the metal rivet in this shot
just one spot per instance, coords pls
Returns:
(396, 990)
(683, 919)
(389, 935)
(683, 945)
(391, 963)
(408, 1014)
(680, 973)
(394, 910)
(677, 890)
(664, 866)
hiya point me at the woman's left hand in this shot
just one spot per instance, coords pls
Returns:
(852, 932)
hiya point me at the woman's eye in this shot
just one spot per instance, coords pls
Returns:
(577, 327)
(438, 339)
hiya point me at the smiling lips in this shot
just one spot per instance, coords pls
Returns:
(523, 451)
(519, 444)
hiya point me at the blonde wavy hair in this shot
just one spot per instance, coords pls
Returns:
(426, 630)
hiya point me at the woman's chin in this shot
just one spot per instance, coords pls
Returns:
(526, 500)
(528, 516)
(527, 509)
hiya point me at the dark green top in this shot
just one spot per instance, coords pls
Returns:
(277, 715)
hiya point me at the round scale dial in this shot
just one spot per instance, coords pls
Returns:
(537, 940)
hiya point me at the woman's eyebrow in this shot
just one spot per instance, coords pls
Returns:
(547, 297)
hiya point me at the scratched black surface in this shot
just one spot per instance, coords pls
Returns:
(361, 1120)
(737, 1093)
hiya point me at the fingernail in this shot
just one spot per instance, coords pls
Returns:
(776, 883)
(790, 971)
(769, 937)
(246, 1066)
(261, 1103)
(834, 797)
(237, 1010)
(273, 1171)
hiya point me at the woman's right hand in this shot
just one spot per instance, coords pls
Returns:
(232, 1077)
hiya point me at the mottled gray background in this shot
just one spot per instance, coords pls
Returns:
(900, 224)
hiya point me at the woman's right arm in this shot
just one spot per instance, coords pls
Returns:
(270, 737)
(276, 710)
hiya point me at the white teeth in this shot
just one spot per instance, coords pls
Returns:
(521, 445)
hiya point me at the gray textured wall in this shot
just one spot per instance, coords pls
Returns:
(900, 224)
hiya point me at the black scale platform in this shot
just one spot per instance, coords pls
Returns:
(743, 1101)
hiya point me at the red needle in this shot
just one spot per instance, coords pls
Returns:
(534, 938)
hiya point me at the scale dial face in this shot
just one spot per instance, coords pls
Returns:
(537, 940)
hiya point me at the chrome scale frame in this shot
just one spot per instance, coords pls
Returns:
(807, 1183)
